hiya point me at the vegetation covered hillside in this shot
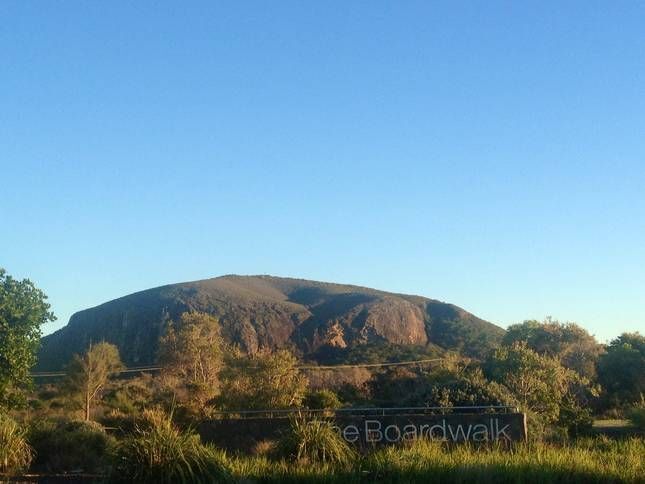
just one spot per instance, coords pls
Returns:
(256, 312)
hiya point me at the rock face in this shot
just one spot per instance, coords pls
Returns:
(271, 312)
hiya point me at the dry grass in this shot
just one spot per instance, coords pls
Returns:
(15, 452)
(598, 460)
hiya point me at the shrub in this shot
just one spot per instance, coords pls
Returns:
(15, 453)
(70, 445)
(315, 441)
(158, 452)
(576, 420)
(322, 399)
(637, 417)
(119, 420)
(264, 380)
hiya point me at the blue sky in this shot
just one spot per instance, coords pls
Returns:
(489, 154)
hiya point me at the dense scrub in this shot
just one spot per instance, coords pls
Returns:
(63, 446)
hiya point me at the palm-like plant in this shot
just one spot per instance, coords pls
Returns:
(158, 452)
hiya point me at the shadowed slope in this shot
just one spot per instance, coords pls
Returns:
(271, 312)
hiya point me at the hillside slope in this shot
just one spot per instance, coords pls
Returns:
(264, 311)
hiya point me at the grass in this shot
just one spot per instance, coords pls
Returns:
(315, 441)
(157, 452)
(15, 452)
(611, 423)
(586, 461)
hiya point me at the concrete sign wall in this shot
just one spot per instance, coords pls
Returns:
(372, 430)
(446, 428)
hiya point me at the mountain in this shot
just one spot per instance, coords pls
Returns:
(263, 311)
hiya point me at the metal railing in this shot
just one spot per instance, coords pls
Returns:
(366, 411)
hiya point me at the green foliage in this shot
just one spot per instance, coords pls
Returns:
(322, 399)
(575, 419)
(133, 395)
(157, 452)
(456, 330)
(621, 370)
(315, 441)
(127, 400)
(570, 344)
(636, 416)
(375, 353)
(15, 452)
(453, 382)
(23, 309)
(467, 388)
(265, 380)
(398, 386)
(539, 383)
(88, 375)
(70, 445)
(191, 352)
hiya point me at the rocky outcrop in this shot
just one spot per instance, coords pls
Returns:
(271, 312)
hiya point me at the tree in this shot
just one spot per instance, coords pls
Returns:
(570, 344)
(453, 382)
(264, 380)
(191, 352)
(539, 383)
(88, 375)
(621, 370)
(23, 309)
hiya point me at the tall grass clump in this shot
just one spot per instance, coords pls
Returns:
(158, 452)
(584, 461)
(315, 441)
(15, 452)
(64, 446)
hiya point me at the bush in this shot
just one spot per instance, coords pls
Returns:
(315, 441)
(15, 453)
(322, 399)
(70, 446)
(158, 452)
(637, 417)
(576, 420)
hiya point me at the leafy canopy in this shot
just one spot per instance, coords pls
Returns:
(540, 383)
(570, 344)
(192, 348)
(23, 309)
(452, 382)
(191, 352)
(621, 370)
(264, 380)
